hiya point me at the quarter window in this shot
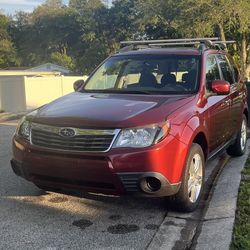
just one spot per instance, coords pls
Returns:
(212, 71)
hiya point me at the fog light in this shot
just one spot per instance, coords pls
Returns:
(150, 184)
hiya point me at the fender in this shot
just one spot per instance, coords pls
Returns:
(186, 134)
(190, 130)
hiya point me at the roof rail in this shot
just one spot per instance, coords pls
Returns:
(205, 43)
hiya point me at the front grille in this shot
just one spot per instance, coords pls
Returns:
(84, 140)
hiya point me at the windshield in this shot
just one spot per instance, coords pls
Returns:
(165, 74)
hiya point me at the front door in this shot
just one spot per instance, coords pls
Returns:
(231, 74)
(218, 108)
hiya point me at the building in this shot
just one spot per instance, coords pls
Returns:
(51, 67)
(47, 67)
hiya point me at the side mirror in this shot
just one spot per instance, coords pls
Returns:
(78, 84)
(220, 87)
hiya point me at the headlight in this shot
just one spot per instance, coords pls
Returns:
(23, 128)
(141, 137)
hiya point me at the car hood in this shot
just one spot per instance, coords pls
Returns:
(109, 110)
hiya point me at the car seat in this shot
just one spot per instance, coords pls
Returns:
(148, 80)
(168, 79)
(190, 79)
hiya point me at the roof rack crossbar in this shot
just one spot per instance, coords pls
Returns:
(193, 43)
(170, 41)
(224, 42)
(204, 43)
(172, 44)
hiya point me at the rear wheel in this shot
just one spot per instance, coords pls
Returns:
(188, 197)
(239, 146)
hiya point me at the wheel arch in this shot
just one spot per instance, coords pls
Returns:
(246, 113)
(201, 140)
(195, 131)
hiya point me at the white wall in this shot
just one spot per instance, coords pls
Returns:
(12, 93)
(20, 93)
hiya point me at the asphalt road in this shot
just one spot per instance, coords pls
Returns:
(33, 219)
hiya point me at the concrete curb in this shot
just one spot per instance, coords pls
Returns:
(178, 230)
(211, 225)
(217, 228)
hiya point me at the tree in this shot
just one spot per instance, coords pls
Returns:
(160, 19)
(51, 28)
(7, 50)
(81, 5)
(202, 18)
(90, 47)
(83, 33)
(63, 60)
(239, 29)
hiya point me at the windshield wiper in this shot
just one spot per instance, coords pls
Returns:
(115, 91)
(135, 92)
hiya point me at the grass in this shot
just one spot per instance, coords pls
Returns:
(241, 235)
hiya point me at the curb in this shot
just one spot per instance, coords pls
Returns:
(218, 223)
(178, 230)
(211, 225)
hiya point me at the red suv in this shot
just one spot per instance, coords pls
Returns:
(145, 122)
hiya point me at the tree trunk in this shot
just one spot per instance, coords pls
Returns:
(222, 32)
(244, 53)
(247, 72)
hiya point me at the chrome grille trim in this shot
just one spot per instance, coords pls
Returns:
(85, 140)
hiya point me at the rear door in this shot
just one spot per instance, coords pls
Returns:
(218, 107)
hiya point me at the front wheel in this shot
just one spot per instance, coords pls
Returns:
(188, 197)
(239, 146)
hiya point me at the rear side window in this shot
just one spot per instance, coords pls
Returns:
(226, 69)
(212, 69)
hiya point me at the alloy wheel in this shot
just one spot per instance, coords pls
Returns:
(243, 138)
(195, 178)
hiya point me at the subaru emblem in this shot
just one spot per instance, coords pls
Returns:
(67, 132)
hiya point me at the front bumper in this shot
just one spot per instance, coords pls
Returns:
(115, 172)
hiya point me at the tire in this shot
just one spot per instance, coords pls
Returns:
(187, 200)
(239, 146)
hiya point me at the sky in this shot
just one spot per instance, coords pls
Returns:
(11, 6)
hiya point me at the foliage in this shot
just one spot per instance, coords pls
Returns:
(241, 236)
(7, 50)
(63, 60)
(85, 32)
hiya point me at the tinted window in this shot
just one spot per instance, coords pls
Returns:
(226, 69)
(235, 69)
(152, 73)
(212, 69)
